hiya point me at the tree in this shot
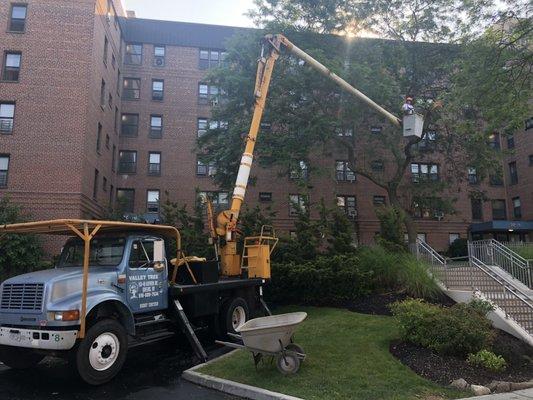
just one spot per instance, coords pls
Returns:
(18, 253)
(309, 115)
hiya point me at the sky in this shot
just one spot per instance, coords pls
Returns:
(219, 12)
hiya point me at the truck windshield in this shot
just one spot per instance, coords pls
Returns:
(104, 252)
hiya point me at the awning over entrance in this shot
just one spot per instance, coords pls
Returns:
(502, 226)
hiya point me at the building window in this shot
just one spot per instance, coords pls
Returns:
(102, 94)
(125, 200)
(265, 196)
(343, 173)
(220, 200)
(152, 201)
(7, 117)
(156, 126)
(129, 125)
(344, 131)
(477, 209)
(201, 128)
(496, 179)
(529, 123)
(517, 208)
(297, 204)
(95, 184)
(159, 56)
(428, 141)
(134, 54)
(99, 138)
(513, 173)
(472, 176)
(11, 66)
(452, 237)
(17, 22)
(299, 171)
(499, 210)
(203, 169)
(131, 89)
(377, 166)
(211, 58)
(157, 89)
(348, 205)
(510, 142)
(422, 237)
(494, 141)
(113, 158)
(4, 169)
(376, 130)
(127, 162)
(379, 200)
(421, 172)
(207, 94)
(106, 49)
(104, 184)
(154, 163)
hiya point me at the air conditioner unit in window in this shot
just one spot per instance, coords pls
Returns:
(214, 102)
(350, 178)
(438, 215)
(159, 61)
(352, 214)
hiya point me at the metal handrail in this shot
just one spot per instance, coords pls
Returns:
(492, 252)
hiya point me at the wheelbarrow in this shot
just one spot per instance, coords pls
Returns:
(272, 336)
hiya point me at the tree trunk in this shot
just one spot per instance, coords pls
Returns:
(410, 225)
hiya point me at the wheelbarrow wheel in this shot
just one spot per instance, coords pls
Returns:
(288, 364)
(297, 349)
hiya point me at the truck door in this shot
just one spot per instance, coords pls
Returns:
(147, 275)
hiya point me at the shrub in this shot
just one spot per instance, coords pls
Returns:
(483, 307)
(487, 359)
(398, 271)
(325, 281)
(457, 330)
(459, 248)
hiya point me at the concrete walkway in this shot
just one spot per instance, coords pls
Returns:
(518, 395)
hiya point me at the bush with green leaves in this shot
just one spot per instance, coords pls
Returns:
(325, 281)
(18, 253)
(487, 359)
(457, 330)
(397, 271)
(459, 248)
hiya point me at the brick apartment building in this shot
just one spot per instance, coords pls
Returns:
(96, 105)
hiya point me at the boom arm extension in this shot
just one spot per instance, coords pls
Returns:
(227, 220)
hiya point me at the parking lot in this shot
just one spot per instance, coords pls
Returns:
(151, 372)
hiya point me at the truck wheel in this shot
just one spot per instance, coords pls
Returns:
(19, 357)
(235, 314)
(102, 352)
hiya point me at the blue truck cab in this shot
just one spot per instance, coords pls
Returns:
(130, 300)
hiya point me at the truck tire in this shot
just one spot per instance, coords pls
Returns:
(234, 314)
(19, 357)
(101, 354)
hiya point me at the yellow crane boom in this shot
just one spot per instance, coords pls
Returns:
(227, 220)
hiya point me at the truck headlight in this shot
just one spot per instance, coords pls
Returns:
(71, 315)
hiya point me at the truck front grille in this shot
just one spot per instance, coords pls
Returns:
(22, 296)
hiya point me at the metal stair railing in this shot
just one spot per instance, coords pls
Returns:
(492, 252)
(503, 293)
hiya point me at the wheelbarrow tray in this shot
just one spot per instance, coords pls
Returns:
(270, 334)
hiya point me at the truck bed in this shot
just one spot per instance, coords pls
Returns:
(177, 290)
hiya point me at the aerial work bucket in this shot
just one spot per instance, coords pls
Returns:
(413, 125)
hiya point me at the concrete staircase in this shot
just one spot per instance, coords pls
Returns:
(470, 277)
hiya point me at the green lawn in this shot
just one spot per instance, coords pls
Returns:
(347, 358)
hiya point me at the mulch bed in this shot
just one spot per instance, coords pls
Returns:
(378, 303)
(444, 369)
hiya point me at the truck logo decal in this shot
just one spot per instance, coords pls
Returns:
(134, 290)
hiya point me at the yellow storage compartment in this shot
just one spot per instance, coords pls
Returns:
(231, 261)
(259, 261)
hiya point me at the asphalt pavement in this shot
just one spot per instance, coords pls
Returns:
(151, 372)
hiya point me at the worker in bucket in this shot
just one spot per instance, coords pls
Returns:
(408, 108)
